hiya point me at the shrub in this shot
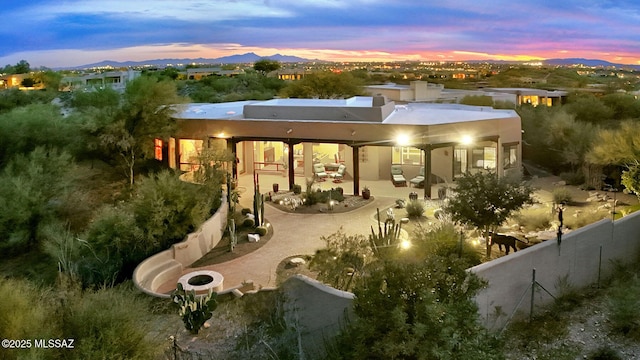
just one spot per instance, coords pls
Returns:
(245, 211)
(624, 307)
(297, 189)
(562, 195)
(248, 222)
(108, 323)
(415, 208)
(573, 178)
(534, 220)
(605, 352)
(261, 230)
(583, 219)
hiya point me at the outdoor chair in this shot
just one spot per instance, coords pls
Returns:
(338, 175)
(320, 172)
(397, 176)
(418, 181)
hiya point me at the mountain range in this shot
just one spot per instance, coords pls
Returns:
(252, 57)
(233, 59)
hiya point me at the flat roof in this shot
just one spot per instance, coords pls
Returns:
(404, 114)
(529, 91)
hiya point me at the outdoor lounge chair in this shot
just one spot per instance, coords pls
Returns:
(338, 175)
(418, 181)
(397, 176)
(319, 172)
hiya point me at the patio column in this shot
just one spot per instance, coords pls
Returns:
(427, 172)
(356, 170)
(291, 166)
(232, 146)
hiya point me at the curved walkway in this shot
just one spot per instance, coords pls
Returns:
(293, 234)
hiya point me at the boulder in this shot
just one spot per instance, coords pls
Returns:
(296, 261)
(253, 238)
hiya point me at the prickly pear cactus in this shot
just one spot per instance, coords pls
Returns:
(194, 310)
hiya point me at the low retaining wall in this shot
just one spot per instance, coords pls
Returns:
(159, 268)
(582, 257)
(320, 310)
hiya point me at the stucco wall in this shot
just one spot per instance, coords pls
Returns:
(159, 268)
(576, 260)
(320, 309)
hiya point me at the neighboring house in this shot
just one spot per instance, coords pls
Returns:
(415, 91)
(422, 91)
(13, 80)
(199, 73)
(290, 74)
(366, 134)
(117, 80)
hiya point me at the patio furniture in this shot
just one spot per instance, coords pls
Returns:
(339, 174)
(418, 180)
(397, 177)
(320, 172)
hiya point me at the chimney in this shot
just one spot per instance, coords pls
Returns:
(379, 100)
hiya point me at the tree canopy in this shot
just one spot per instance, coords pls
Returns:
(325, 85)
(485, 200)
(265, 66)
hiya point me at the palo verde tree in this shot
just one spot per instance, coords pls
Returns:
(485, 201)
(146, 114)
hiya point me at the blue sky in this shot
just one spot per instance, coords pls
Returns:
(68, 33)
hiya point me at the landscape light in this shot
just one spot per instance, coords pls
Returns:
(405, 244)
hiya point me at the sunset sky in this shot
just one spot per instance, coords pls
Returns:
(70, 33)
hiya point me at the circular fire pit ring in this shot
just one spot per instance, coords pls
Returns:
(202, 281)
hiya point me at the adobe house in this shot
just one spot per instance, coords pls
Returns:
(366, 134)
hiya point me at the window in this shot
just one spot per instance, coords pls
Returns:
(483, 158)
(459, 161)
(510, 156)
(157, 147)
(406, 155)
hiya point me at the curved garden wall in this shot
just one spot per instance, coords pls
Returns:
(159, 268)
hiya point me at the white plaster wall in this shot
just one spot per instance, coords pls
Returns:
(576, 259)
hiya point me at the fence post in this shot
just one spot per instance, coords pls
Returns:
(599, 266)
(533, 293)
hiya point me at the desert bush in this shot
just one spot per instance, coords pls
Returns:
(343, 259)
(415, 208)
(584, 218)
(248, 222)
(112, 246)
(261, 230)
(24, 310)
(166, 209)
(605, 352)
(429, 313)
(32, 191)
(108, 323)
(624, 307)
(561, 195)
(573, 178)
(442, 239)
(534, 220)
